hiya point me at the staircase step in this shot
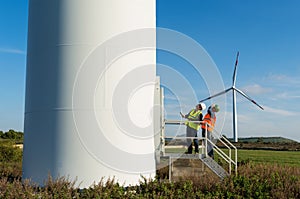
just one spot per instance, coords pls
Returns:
(215, 167)
(192, 165)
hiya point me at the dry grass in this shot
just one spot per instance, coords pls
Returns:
(254, 180)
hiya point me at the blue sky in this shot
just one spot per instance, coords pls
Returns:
(267, 34)
(13, 35)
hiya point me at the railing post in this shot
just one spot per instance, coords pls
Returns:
(235, 158)
(230, 160)
(206, 154)
(170, 169)
(163, 137)
(163, 121)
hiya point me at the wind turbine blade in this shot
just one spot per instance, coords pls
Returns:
(246, 96)
(235, 66)
(220, 93)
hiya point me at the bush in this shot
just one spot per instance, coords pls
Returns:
(12, 135)
(9, 153)
(252, 181)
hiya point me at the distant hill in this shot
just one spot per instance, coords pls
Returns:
(255, 143)
(255, 139)
(267, 143)
(265, 140)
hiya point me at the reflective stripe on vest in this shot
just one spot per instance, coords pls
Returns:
(193, 116)
(211, 121)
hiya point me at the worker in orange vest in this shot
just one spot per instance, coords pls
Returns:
(210, 120)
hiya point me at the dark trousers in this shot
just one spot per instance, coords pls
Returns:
(190, 132)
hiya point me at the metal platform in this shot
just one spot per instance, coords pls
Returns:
(209, 162)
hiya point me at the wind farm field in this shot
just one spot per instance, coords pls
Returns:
(262, 173)
(266, 150)
(290, 158)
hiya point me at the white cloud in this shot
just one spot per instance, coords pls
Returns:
(279, 111)
(256, 89)
(170, 97)
(283, 79)
(277, 77)
(286, 95)
(12, 51)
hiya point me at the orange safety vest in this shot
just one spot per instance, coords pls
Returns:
(210, 121)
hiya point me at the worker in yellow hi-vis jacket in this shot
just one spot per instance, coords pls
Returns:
(192, 128)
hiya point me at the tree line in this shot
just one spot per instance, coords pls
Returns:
(12, 135)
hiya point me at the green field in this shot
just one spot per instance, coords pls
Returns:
(291, 158)
(261, 174)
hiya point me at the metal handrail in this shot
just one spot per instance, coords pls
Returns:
(234, 162)
(229, 153)
(227, 158)
(235, 150)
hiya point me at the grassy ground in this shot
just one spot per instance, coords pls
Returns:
(254, 180)
(291, 158)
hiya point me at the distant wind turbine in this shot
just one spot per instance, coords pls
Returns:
(234, 90)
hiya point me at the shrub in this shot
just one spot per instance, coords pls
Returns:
(252, 181)
(10, 153)
(13, 135)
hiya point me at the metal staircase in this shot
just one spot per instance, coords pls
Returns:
(215, 167)
(228, 153)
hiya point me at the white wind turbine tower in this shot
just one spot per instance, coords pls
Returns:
(234, 90)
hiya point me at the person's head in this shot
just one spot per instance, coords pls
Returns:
(215, 107)
(201, 106)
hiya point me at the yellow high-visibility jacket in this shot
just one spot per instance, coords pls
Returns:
(193, 115)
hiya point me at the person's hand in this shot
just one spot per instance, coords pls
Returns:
(181, 115)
